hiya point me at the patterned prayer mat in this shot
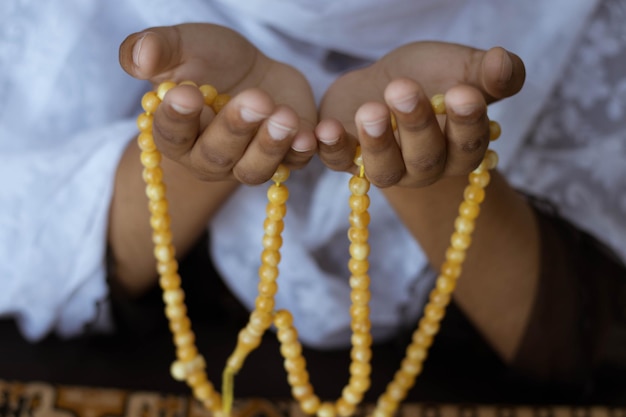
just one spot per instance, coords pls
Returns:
(35, 399)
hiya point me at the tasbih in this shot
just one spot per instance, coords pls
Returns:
(190, 365)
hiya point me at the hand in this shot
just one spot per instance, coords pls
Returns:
(268, 121)
(425, 148)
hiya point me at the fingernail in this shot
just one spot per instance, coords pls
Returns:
(406, 104)
(251, 116)
(375, 128)
(303, 143)
(137, 49)
(329, 140)
(181, 109)
(278, 131)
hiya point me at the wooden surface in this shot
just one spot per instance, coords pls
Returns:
(38, 399)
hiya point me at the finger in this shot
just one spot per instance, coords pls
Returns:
(177, 121)
(269, 147)
(421, 139)
(503, 73)
(337, 147)
(303, 148)
(199, 52)
(224, 141)
(382, 158)
(467, 129)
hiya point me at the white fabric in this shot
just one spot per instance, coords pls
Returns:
(67, 111)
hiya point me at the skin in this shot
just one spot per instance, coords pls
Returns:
(422, 170)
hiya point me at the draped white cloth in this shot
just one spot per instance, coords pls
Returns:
(67, 111)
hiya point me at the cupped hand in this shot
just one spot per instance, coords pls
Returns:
(268, 121)
(357, 109)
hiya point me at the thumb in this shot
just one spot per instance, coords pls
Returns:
(204, 53)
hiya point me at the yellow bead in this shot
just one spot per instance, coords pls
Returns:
(438, 104)
(203, 391)
(395, 392)
(360, 326)
(310, 404)
(186, 353)
(272, 242)
(359, 186)
(438, 298)
(445, 284)
(160, 223)
(270, 257)
(295, 365)
(428, 326)
(469, 210)
(209, 93)
(455, 255)
(146, 142)
(287, 335)
(360, 220)
(351, 395)
(394, 122)
(358, 266)
(267, 288)
(197, 378)
(386, 404)
(421, 339)
(359, 312)
(358, 157)
(273, 227)
(283, 319)
(359, 251)
(260, 320)
(360, 297)
(291, 350)
(411, 367)
(344, 408)
(219, 102)
(170, 281)
(362, 369)
(184, 339)
(247, 340)
(164, 253)
(481, 178)
(268, 272)
(152, 175)
(361, 340)
(490, 160)
(357, 234)
(361, 354)
(359, 282)
(158, 207)
(281, 175)
(434, 312)
(182, 324)
(167, 268)
(178, 370)
(326, 409)
(173, 312)
(275, 211)
(264, 304)
(277, 194)
(144, 122)
(155, 192)
(360, 384)
(150, 159)
(451, 269)
(494, 130)
(404, 379)
(302, 391)
(460, 241)
(164, 87)
(162, 237)
(359, 203)
(464, 225)
(297, 378)
(474, 193)
(150, 102)
(173, 296)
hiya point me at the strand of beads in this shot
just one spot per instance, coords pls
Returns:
(439, 298)
(262, 316)
(361, 354)
(189, 365)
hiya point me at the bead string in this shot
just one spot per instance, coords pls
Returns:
(190, 365)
